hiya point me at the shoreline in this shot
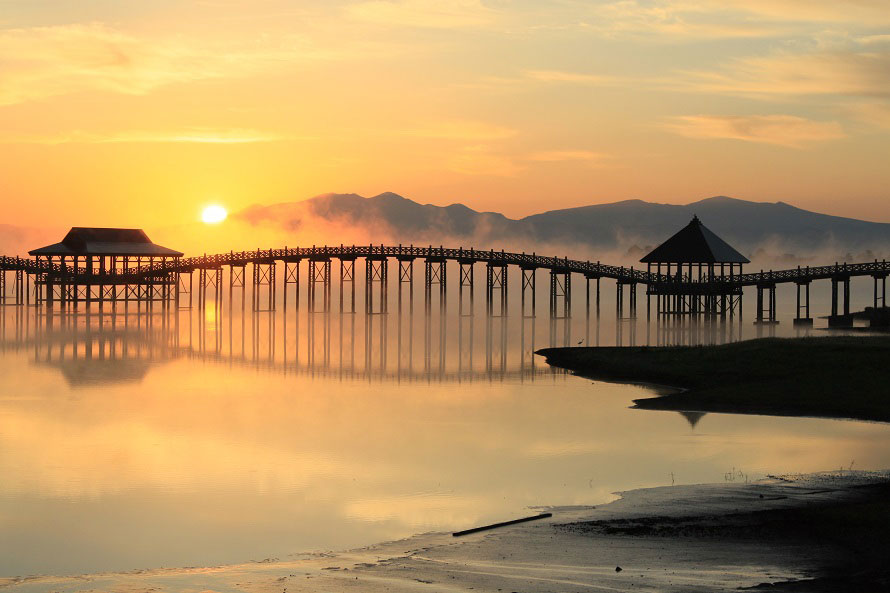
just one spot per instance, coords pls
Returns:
(839, 377)
(706, 537)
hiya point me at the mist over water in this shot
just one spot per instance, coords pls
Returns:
(134, 438)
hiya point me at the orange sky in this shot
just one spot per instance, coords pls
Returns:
(139, 114)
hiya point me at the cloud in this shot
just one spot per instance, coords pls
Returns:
(875, 40)
(839, 72)
(781, 130)
(717, 19)
(687, 20)
(42, 62)
(188, 135)
(867, 13)
(434, 14)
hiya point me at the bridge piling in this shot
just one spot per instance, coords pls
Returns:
(843, 319)
(236, 280)
(528, 282)
(406, 276)
(560, 294)
(291, 276)
(215, 278)
(466, 281)
(766, 308)
(347, 274)
(633, 299)
(202, 288)
(803, 287)
(319, 273)
(495, 283)
(375, 273)
(597, 297)
(191, 286)
(588, 276)
(434, 273)
(264, 275)
(880, 296)
(620, 283)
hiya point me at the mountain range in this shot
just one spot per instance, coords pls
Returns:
(634, 226)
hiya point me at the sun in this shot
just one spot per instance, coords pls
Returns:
(214, 214)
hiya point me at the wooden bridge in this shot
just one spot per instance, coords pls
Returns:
(170, 281)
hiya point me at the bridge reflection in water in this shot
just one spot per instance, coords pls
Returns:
(90, 346)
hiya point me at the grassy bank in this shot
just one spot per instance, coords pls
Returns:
(837, 377)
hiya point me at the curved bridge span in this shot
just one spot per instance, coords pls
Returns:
(679, 292)
(529, 261)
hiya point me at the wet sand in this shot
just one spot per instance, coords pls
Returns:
(817, 532)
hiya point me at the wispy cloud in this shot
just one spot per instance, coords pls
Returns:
(189, 135)
(781, 130)
(839, 72)
(867, 13)
(683, 20)
(690, 20)
(42, 62)
(434, 14)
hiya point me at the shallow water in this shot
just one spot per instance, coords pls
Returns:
(205, 437)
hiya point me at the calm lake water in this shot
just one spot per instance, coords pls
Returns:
(205, 437)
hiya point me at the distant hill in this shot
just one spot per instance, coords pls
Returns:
(388, 214)
(755, 228)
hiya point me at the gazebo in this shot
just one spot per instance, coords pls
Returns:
(105, 264)
(689, 267)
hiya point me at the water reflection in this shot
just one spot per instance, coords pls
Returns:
(93, 348)
(203, 437)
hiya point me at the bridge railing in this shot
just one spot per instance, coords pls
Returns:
(490, 257)
(471, 255)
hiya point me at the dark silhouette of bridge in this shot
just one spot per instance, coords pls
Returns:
(686, 290)
(42, 282)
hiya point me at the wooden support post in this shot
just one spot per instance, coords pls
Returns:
(406, 276)
(467, 281)
(834, 297)
(759, 318)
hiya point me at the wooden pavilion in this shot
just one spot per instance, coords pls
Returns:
(690, 266)
(106, 264)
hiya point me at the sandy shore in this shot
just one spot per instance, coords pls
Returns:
(715, 537)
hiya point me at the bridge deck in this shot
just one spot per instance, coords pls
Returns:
(493, 258)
